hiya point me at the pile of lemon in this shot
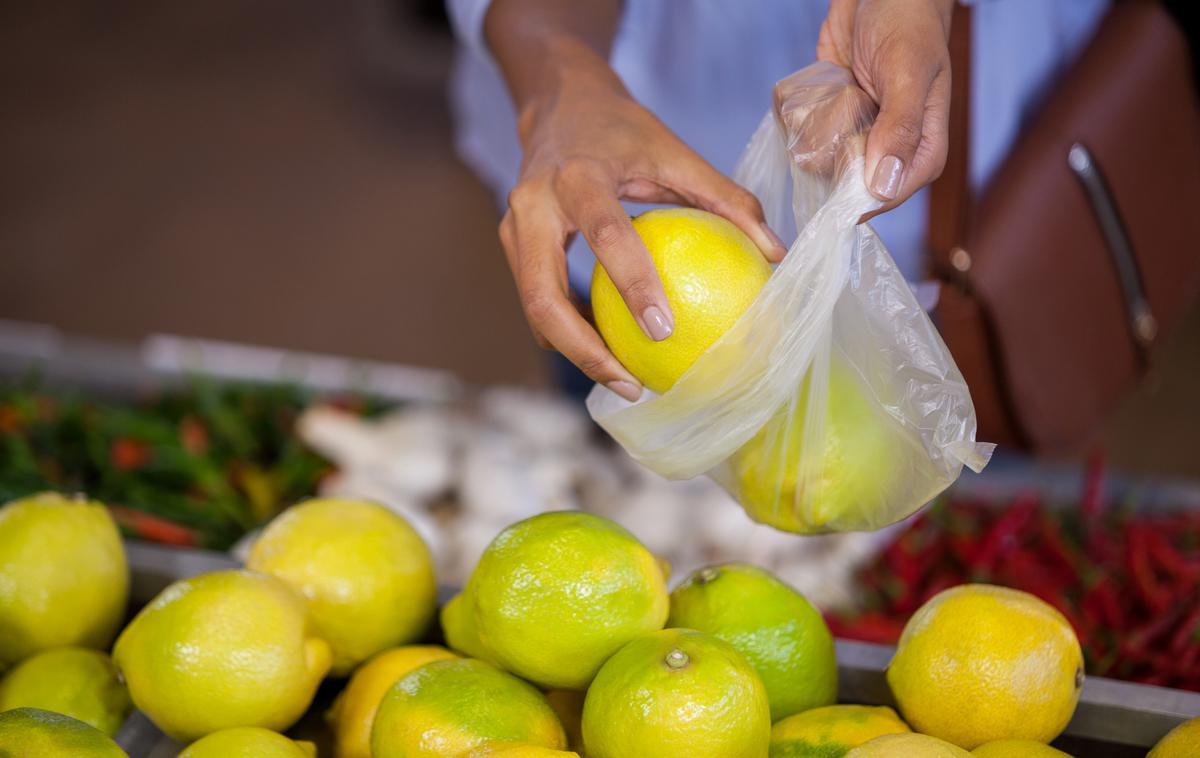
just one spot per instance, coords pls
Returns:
(565, 641)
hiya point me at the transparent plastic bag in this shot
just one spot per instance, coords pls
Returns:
(832, 404)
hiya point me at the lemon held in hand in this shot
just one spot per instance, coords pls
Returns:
(979, 663)
(221, 650)
(63, 576)
(462, 707)
(776, 628)
(353, 712)
(248, 742)
(832, 731)
(677, 693)
(711, 272)
(555, 595)
(34, 733)
(76, 682)
(366, 574)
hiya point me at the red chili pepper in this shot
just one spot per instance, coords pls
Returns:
(153, 528)
(1168, 558)
(1003, 534)
(1138, 558)
(193, 435)
(127, 454)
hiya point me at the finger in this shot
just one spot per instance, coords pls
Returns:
(589, 200)
(896, 137)
(707, 188)
(533, 244)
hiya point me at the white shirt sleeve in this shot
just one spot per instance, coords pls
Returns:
(466, 16)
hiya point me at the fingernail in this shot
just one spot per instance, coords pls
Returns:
(780, 248)
(627, 390)
(657, 324)
(886, 182)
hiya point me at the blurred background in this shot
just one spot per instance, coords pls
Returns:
(241, 263)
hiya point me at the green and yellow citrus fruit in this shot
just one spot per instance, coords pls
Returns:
(776, 628)
(711, 272)
(458, 624)
(832, 731)
(1017, 749)
(365, 572)
(460, 708)
(677, 693)
(842, 487)
(353, 712)
(1183, 740)
(979, 663)
(907, 746)
(555, 595)
(78, 682)
(35, 733)
(248, 742)
(222, 650)
(63, 576)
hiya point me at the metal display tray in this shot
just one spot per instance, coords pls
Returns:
(1114, 719)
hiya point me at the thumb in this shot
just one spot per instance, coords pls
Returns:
(906, 146)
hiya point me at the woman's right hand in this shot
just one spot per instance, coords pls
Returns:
(588, 145)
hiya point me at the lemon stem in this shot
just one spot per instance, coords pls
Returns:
(677, 659)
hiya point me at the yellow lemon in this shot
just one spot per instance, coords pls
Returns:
(776, 628)
(248, 742)
(1017, 749)
(34, 733)
(76, 682)
(842, 487)
(979, 663)
(555, 595)
(831, 732)
(907, 746)
(63, 576)
(461, 707)
(366, 574)
(711, 272)
(221, 650)
(677, 693)
(354, 710)
(1182, 741)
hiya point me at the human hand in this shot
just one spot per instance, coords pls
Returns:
(588, 145)
(897, 52)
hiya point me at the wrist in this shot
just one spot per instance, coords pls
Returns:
(570, 70)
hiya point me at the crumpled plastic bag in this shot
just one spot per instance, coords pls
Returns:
(832, 404)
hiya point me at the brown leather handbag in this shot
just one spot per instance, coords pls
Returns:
(1085, 247)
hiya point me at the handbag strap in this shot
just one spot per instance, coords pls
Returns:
(950, 201)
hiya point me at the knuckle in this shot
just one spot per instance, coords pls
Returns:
(573, 172)
(905, 134)
(595, 365)
(605, 231)
(747, 202)
(539, 307)
(522, 196)
(636, 290)
(505, 230)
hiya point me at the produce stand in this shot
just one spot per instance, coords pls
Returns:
(1114, 719)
